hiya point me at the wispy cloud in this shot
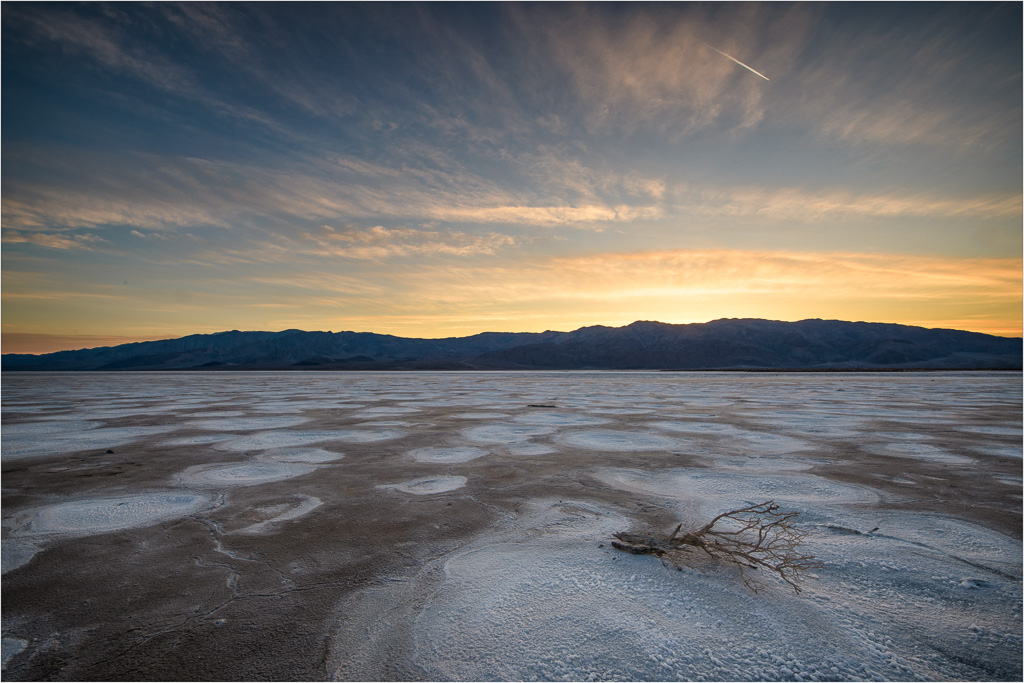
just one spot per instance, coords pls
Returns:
(795, 204)
(443, 163)
(379, 242)
(646, 71)
(53, 241)
(931, 84)
(154, 193)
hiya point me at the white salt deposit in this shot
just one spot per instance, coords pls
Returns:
(902, 596)
(242, 474)
(15, 553)
(921, 451)
(428, 485)
(307, 505)
(544, 602)
(101, 515)
(286, 438)
(456, 402)
(57, 437)
(502, 433)
(996, 431)
(220, 414)
(385, 410)
(246, 424)
(526, 448)
(447, 454)
(480, 416)
(284, 407)
(697, 487)
(198, 439)
(12, 647)
(558, 419)
(617, 440)
(45, 429)
(735, 439)
(313, 456)
(1000, 450)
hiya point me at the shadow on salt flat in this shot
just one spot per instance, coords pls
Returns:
(427, 485)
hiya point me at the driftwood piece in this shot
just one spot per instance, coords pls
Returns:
(754, 537)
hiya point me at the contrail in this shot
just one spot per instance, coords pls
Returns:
(739, 62)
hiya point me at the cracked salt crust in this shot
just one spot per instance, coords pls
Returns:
(531, 595)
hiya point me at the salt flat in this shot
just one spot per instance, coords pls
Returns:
(456, 526)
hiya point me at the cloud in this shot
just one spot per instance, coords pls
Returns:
(646, 70)
(794, 204)
(948, 81)
(379, 242)
(64, 242)
(153, 193)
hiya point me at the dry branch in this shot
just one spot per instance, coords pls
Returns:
(755, 537)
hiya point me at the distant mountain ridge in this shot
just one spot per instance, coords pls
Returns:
(729, 343)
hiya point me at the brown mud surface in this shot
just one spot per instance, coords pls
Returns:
(256, 584)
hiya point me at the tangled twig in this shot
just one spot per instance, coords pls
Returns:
(755, 537)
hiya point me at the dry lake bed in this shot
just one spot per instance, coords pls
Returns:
(456, 526)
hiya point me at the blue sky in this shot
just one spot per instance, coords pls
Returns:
(444, 169)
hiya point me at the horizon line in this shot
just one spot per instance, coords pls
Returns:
(56, 343)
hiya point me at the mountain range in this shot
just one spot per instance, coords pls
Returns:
(726, 344)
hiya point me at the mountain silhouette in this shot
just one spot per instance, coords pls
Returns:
(726, 344)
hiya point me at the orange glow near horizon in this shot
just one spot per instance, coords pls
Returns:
(558, 166)
(680, 286)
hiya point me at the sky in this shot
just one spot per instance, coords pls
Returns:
(437, 170)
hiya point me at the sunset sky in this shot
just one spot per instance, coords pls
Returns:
(445, 169)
